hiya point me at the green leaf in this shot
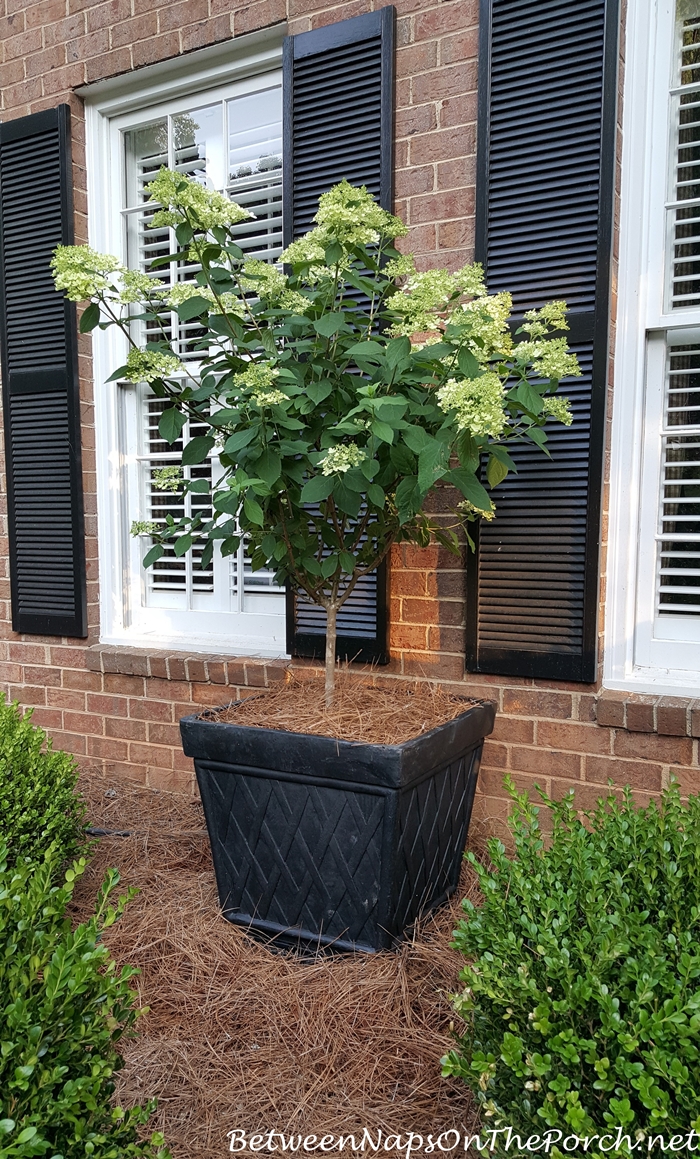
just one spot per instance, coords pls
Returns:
(197, 450)
(528, 397)
(467, 482)
(118, 373)
(182, 544)
(369, 468)
(329, 566)
(268, 466)
(468, 364)
(184, 233)
(334, 253)
(432, 463)
(199, 486)
(376, 495)
(329, 324)
(346, 500)
(317, 391)
(467, 450)
(403, 459)
(417, 439)
(496, 471)
(355, 480)
(155, 553)
(347, 562)
(503, 457)
(253, 511)
(239, 440)
(171, 424)
(397, 350)
(316, 488)
(382, 430)
(89, 318)
(366, 352)
(408, 498)
(27, 1134)
(311, 565)
(193, 307)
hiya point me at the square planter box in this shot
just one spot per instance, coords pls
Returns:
(326, 843)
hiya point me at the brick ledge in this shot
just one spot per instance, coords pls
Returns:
(201, 668)
(665, 715)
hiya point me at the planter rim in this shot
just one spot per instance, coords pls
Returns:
(396, 765)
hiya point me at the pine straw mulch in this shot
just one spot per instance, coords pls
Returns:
(361, 711)
(240, 1037)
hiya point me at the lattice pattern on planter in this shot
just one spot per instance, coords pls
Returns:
(322, 878)
(433, 820)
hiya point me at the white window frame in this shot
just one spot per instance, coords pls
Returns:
(109, 105)
(636, 657)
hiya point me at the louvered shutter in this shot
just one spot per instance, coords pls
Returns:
(548, 95)
(40, 379)
(338, 110)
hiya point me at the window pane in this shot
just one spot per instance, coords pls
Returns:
(146, 151)
(685, 181)
(255, 170)
(198, 145)
(678, 588)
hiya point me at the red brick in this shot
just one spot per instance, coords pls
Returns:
(444, 82)
(69, 657)
(164, 734)
(19, 46)
(415, 611)
(136, 28)
(688, 780)
(47, 718)
(178, 15)
(156, 755)
(459, 110)
(255, 674)
(438, 206)
(495, 755)
(419, 120)
(210, 694)
(167, 690)
(253, 16)
(70, 743)
(216, 671)
(107, 705)
(59, 31)
(107, 747)
(442, 20)
(49, 677)
(27, 695)
(176, 668)
(86, 722)
(125, 729)
(665, 749)
(151, 710)
(638, 774)
(523, 702)
(61, 698)
(117, 682)
(461, 46)
(416, 58)
(90, 681)
(695, 718)
(11, 672)
(27, 653)
(408, 636)
(575, 737)
(610, 709)
(546, 762)
(514, 730)
(640, 713)
(195, 669)
(158, 667)
(107, 12)
(110, 64)
(159, 48)
(672, 716)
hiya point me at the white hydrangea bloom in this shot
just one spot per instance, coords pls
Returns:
(339, 459)
(81, 272)
(558, 408)
(147, 365)
(476, 402)
(138, 287)
(181, 196)
(269, 397)
(550, 358)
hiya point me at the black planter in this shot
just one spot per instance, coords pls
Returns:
(319, 842)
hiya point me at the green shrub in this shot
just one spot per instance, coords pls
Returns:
(582, 994)
(39, 806)
(63, 1007)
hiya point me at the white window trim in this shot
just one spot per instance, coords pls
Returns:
(629, 664)
(249, 56)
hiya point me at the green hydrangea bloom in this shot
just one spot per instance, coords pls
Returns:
(550, 358)
(182, 199)
(476, 402)
(558, 408)
(264, 398)
(144, 527)
(167, 479)
(81, 272)
(138, 287)
(147, 365)
(339, 459)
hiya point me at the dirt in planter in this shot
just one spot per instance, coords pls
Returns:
(361, 711)
(240, 1037)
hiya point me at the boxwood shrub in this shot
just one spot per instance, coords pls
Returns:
(582, 986)
(39, 805)
(63, 1008)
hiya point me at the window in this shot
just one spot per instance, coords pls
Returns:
(653, 620)
(229, 136)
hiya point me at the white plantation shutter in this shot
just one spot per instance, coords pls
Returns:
(684, 205)
(232, 143)
(678, 535)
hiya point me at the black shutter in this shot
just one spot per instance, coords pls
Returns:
(40, 379)
(338, 123)
(546, 166)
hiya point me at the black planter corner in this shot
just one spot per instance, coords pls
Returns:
(325, 843)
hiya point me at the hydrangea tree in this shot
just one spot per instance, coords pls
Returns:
(337, 391)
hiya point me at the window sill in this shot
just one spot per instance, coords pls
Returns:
(665, 715)
(197, 667)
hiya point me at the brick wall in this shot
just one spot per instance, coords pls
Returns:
(119, 709)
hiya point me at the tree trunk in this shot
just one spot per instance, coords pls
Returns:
(331, 634)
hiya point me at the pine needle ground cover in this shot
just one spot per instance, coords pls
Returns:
(240, 1037)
